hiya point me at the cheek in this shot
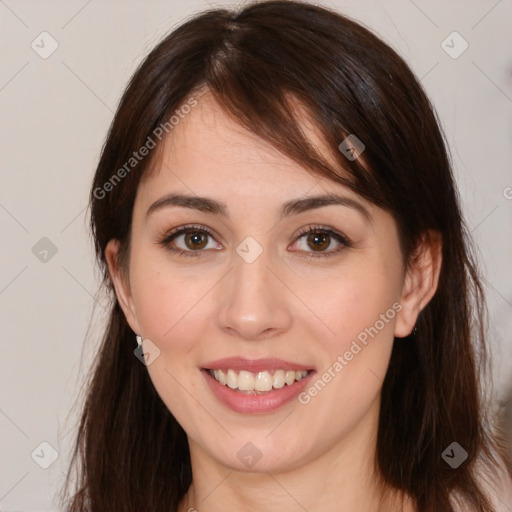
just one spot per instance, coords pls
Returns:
(168, 299)
(356, 355)
(171, 313)
(358, 352)
(359, 306)
(355, 298)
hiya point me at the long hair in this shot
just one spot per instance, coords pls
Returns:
(130, 453)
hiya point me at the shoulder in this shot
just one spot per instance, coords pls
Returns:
(496, 483)
(499, 489)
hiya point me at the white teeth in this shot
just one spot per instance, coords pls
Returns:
(262, 381)
(278, 380)
(289, 378)
(232, 379)
(245, 381)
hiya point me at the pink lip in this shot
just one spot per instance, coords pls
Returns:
(251, 403)
(253, 365)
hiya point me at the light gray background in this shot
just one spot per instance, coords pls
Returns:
(55, 115)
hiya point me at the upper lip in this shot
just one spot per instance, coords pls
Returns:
(253, 365)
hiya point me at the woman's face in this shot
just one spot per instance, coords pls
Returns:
(250, 292)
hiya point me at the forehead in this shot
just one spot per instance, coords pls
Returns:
(209, 153)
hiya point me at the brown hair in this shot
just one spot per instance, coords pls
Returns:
(350, 82)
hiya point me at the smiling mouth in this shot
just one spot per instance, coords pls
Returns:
(258, 383)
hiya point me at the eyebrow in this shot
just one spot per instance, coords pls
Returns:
(292, 207)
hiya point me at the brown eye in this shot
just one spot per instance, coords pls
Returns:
(196, 240)
(318, 241)
(189, 241)
(315, 240)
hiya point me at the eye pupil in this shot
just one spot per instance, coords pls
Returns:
(198, 240)
(320, 241)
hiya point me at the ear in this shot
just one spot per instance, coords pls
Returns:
(121, 284)
(420, 283)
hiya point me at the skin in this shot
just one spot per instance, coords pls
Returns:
(317, 456)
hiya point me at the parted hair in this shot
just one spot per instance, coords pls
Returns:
(254, 61)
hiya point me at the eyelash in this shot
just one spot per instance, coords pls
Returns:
(310, 229)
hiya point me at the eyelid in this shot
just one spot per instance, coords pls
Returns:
(312, 228)
(342, 239)
(169, 236)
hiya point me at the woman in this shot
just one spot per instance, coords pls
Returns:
(297, 320)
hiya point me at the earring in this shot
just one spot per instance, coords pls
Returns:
(139, 340)
(414, 331)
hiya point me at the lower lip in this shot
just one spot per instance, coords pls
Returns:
(256, 404)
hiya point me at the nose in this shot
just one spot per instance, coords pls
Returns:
(253, 303)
